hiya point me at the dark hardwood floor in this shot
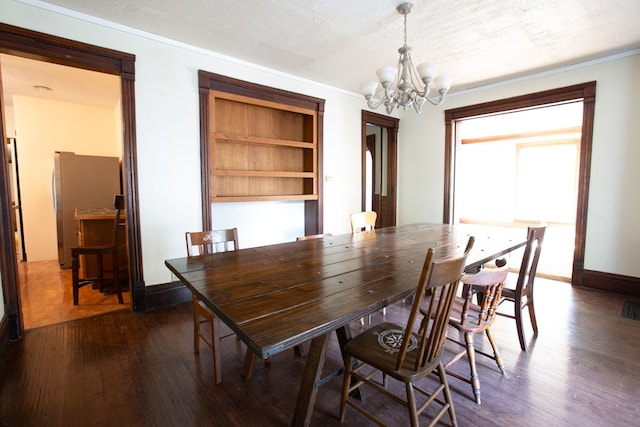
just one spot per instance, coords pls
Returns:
(139, 369)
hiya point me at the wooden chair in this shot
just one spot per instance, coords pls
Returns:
(470, 319)
(363, 221)
(409, 356)
(521, 295)
(200, 243)
(110, 252)
(207, 242)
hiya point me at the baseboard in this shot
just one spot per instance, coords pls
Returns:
(609, 282)
(166, 294)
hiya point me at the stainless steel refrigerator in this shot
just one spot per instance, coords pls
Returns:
(80, 182)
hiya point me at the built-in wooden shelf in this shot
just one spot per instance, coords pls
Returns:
(261, 150)
(260, 144)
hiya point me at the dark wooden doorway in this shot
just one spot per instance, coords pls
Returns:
(43, 47)
(379, 166)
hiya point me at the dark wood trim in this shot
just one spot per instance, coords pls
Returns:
(609, 282)
(44, 47)
(209, 81)
(167, 294)
(392, 125)
(205, 166)
(584, 91)
(4, 335)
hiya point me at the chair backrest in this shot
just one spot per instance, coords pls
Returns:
(313, 236)
(209, 242)
(440, 278)
(362, 221)
(529, 266)
(488, 283)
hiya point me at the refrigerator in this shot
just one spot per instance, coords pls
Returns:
(80, 181)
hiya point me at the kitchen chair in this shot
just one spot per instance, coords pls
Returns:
(102, 253)
(363, 221)
(398, 352)
(521, 295)
(201, 243)
(207, 242)
(470, 319)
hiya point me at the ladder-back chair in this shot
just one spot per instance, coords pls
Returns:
(407, 356)
(106, 255)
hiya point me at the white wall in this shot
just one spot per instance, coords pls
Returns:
(43, 127)
(168, 142)
(613, 229)
(167, 125)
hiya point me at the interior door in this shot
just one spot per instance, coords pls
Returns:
(379, 167)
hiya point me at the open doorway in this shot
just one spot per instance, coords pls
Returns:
(76, 113)
(521, 169)
(379, 167)
(585, 93)
(56, 50)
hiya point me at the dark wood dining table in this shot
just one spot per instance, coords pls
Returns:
(279, 296)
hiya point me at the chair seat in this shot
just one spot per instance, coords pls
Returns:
(378, 347)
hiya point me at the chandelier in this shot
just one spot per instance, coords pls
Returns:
(403, 85)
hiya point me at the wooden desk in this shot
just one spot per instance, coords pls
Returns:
(276, 297)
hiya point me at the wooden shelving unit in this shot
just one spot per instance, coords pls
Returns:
(261, 150)
(259, 143)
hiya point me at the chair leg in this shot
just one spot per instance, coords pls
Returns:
(116, 281)
(411, 405)
(471, 355)
(249, 363)
(532, 315)
(442, 373)
(348, 367)
(496, 353)
(74, 278)
(519, 325)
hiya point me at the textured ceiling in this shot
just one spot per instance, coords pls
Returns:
(341, 43)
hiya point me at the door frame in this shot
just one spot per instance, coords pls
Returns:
(391, 124)
(584, 91)
(30, 44)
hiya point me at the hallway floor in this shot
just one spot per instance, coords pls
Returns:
(46, 297)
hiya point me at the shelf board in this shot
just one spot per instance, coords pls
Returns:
(262, 174)
(230, 199)
(243, 139)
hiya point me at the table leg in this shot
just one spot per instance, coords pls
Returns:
(308, 389)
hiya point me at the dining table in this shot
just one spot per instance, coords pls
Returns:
(279, 296)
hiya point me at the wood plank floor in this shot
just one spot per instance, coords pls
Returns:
(46, 297)
(139, 369)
